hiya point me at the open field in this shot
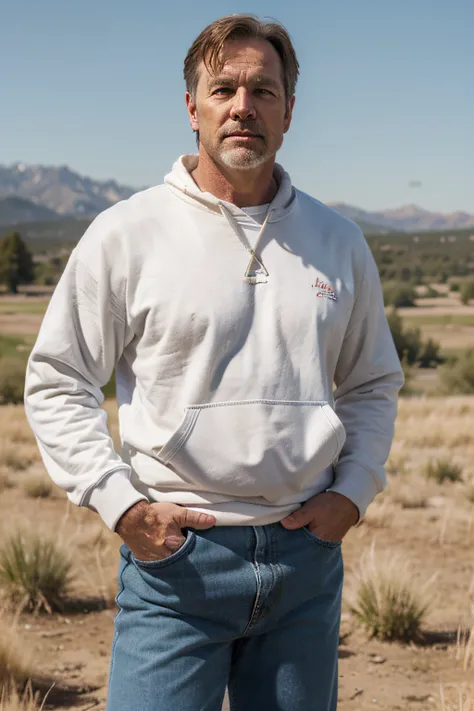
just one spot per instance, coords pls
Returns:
(430, 525)
(21, 315)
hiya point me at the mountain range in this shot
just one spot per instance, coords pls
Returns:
(36, 193)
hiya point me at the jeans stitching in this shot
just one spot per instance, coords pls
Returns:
(258, 576)
(320, 541)
(114, 643)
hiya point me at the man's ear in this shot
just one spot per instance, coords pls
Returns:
(192, 111)
(289, 113)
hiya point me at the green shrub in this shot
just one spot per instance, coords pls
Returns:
(12, 380)
(398, 295)
(407, 341)
(457, 376)
(441, 470)
(429, 355)
(34, 571)
(467, 291)
(430, 293)
(455, 286)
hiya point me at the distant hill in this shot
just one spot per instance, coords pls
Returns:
(60, 189)
(14, 210)
(408, 218)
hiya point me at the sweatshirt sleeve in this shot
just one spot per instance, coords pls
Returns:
(368, 378)
(80, 340)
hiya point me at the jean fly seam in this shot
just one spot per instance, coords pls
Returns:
(258, 576)
(121, 589)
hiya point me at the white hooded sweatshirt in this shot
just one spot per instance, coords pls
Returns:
(225, 364)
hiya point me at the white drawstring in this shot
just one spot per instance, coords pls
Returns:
(241, 235)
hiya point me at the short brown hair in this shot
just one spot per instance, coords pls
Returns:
(208, 48)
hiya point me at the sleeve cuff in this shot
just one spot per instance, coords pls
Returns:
(357, 484)
(113, 496)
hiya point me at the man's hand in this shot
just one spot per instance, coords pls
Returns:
(329, 515)
(153, 531)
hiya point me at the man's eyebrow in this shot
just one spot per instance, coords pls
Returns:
(230, 82)
(221, 81)
(268, 81)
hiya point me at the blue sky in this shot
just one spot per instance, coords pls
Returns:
(385, 94)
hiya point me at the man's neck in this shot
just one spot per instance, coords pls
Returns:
(243, 188)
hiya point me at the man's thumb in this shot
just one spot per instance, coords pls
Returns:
(187, 518)
(299, 518)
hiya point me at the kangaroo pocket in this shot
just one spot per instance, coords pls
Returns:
(254, 448)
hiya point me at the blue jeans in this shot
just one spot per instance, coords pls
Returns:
(254, 609)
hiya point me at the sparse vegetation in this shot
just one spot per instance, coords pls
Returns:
(386, 600)
(457, 377)
(15, 662)
(12, 700)
(34, 571)
(12, 380)
(38, 486)
(467, 291)
(441, 470)
(409, 497)
(409, 344)
(16, 262)
(17, 457)
(470, 493)
(398, 295)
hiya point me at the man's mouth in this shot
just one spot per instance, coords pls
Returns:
(244, 135)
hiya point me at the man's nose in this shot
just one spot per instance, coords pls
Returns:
(243, 107)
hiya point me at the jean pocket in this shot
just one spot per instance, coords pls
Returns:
(184, 550)
(320, 541)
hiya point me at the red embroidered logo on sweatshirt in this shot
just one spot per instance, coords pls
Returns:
(324, 290)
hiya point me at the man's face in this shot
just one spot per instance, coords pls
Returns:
(242, 112)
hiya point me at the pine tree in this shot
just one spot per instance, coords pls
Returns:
(16, 262)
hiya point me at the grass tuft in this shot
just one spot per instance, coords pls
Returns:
(386, 600)
(38, 486)
(34, 571)
(441, 470)
(11, 700)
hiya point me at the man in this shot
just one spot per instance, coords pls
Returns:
(229, 303)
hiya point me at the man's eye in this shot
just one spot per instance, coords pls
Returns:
(264, 91)
(222, 90)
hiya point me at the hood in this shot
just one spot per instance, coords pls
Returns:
(181, 183)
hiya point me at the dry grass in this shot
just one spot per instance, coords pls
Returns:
(464, 646)
(11, 700)
(385, 598)
(456, 697)
(15, 660)
(18, 457)
(379, 515)
(441, 470)
(410, 493)
(6, 481)
(35, 571)
(470, 492)
(37, 486)
(18, 449)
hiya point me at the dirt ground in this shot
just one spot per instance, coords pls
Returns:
(430, 526)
